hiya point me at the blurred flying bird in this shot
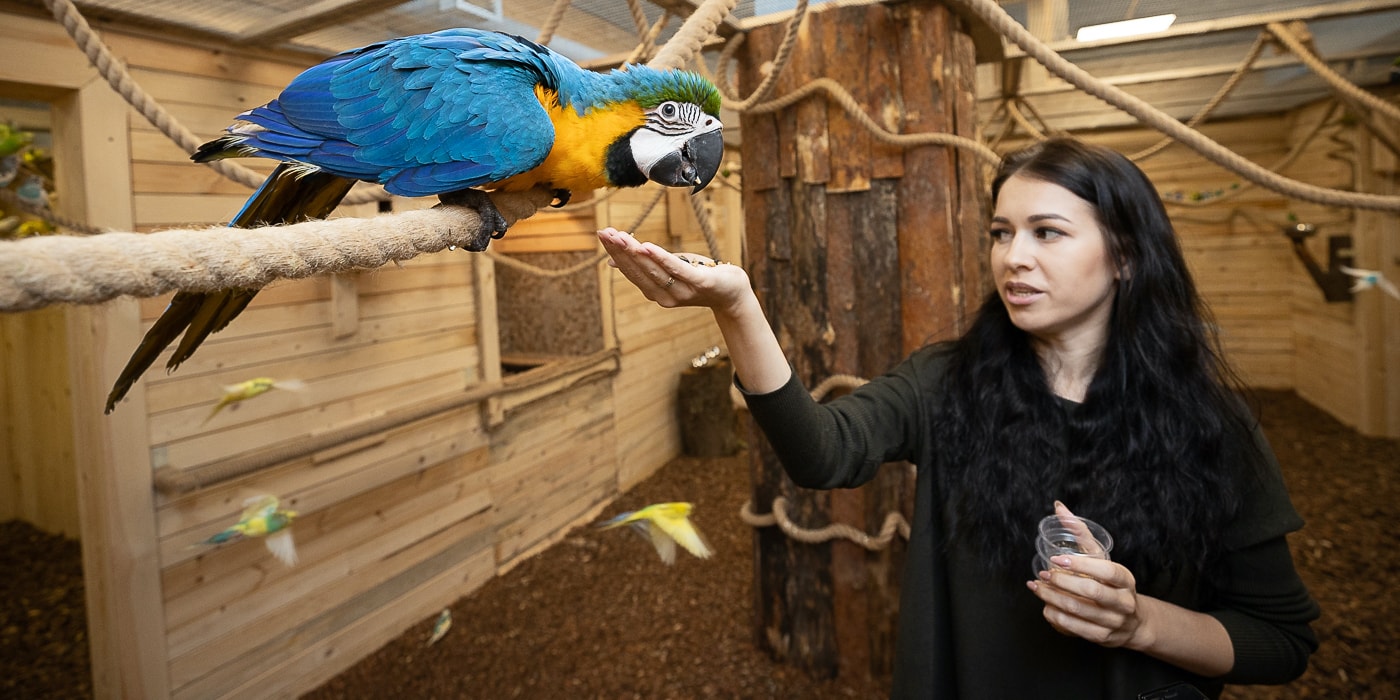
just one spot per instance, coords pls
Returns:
(444, 623)
(1367, 279)
(444, 114)
(242, 391)
(666, 524)
(262, 518)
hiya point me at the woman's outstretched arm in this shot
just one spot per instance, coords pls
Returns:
(694, 280)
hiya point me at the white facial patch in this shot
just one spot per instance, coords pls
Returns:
(669, 126)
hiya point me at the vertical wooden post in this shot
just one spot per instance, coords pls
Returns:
(860, 253)
(121, 560)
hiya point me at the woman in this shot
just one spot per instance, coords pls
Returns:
(1089, 377)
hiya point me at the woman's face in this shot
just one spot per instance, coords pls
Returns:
(1051, 263)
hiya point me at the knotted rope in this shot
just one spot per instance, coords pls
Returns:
(1341, 85)
(777, 515)
(894, 522)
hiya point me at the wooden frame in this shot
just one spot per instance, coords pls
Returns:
(120, 562)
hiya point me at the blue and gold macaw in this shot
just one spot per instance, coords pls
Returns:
(450, 114)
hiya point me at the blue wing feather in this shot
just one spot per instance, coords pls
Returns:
(421, 115)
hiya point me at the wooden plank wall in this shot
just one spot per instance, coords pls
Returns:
(37, 466)
(657, 344)
(1328, 353)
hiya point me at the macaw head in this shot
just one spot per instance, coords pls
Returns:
(681, 142)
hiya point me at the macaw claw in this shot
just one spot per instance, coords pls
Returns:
(493, 225)
(561, 197)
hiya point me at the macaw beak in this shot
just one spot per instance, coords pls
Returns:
(693, 165)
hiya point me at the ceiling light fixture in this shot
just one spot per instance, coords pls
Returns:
(1130, 27)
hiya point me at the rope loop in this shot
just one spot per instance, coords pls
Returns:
(894, 523)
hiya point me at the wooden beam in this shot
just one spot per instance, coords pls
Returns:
(1168, 75)
(1214, 26)
(121, 564)
(317, 15)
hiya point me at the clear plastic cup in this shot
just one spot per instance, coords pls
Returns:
(1072, 536)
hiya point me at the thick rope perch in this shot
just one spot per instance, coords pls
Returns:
(43, 270)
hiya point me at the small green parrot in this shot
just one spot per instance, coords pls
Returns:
(444, 623)
(665, 524)
(263, 518)
(34, 227)
(12, 139)
(9, 168)
(242, 391)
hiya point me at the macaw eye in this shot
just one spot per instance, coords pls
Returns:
(668, 109)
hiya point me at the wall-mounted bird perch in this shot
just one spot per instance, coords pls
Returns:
(1333, 281)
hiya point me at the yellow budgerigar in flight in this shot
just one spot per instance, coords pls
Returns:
(666, 524)
(263, 518)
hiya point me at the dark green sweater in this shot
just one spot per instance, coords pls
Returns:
(962, 635)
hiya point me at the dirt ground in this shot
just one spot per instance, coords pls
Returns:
(598, 616)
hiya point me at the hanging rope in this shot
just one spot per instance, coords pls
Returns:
(1299, 145)
(835, 91)
(1338, 84)
(1240, 71)
(780, 60)
(693, 34)
(997, 18)
(894, 522)
(116, 75)
(43, 270)
(551, 23)
(844, 99)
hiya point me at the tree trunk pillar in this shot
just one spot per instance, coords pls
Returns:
(860, 252)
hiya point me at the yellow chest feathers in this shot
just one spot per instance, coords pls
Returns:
(577, 161)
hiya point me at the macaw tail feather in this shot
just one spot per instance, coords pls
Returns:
(289, 195)
(228, 146)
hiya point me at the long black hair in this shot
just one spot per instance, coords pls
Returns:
(1143, 454)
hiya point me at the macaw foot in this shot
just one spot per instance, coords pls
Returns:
(493, 225)
(562, 197)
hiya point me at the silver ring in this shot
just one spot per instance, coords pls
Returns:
(670, 281)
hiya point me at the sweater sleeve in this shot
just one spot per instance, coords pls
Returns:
(1263, 603)
(843, 442)
(1267, 613)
